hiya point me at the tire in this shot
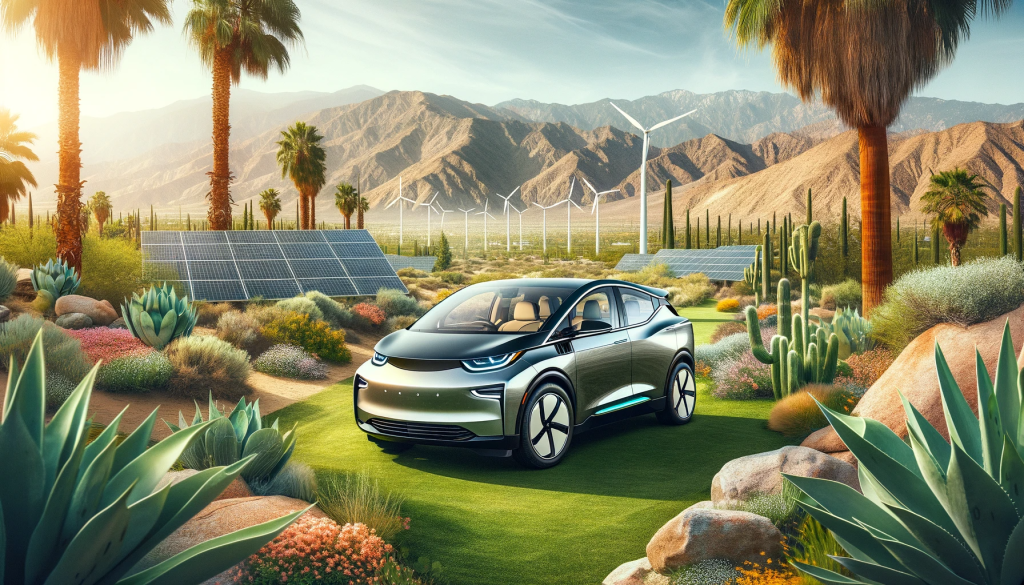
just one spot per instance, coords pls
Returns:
(681, 396)
(545, 431)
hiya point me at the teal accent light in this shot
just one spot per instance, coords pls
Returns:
(622, 405)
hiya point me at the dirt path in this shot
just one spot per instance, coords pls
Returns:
(274, 394)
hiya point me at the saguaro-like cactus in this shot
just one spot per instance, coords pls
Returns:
(687, 229)
(1018, 234)
(1002, 229)
(766, 266)
(668, 228)
(752, 275)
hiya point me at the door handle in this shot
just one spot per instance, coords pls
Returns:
(619, 341)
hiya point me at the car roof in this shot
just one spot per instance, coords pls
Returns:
(578, 283)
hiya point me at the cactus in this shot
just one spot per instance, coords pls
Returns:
(916, 251)
(56, 278)
(931, 511)
(1018, 231)
(688, 229)
(668, 228)
(1002, 229)
(75, 511)
(844, 231)
(766, 265)
(752, 275)
(237, 435)
(810, 210)
(158, 316)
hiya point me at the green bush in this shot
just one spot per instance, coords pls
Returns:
(400, 322)
(295, 480)
(360, 499)
(336, 314)
(8, 278)
(715, 355)
(489, 276)
(302, 305)
(972, 293)
(111, 269)
(205, 365)
(64, 353)
(313, 336)
(58, 389)
(690, 290)
(266, 314)
(135, 373)
(24, 248)
(410, 272)
(842, 295)
(451, 277)
(395, 303)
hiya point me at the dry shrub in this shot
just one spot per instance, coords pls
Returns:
(361, 499)
(728, 306)
(842, 295)
(797, 415)
(690, 290)
(765, 311)
(205, 365)
(242, 331)
(207, 314)
(868, 367)
(442, 295)
(726, 329)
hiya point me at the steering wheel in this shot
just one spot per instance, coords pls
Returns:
(485, 324)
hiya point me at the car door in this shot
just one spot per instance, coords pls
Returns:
(652, 354)
(603, 373)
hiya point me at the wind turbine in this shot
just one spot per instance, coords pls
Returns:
(568, 217)
(508, 233)
(443, 213)
(400, 208)
(486, 215)
(520, 224)
(643, 169)
(466, 228)
(545, 240)
(597, 214)
(430, 207)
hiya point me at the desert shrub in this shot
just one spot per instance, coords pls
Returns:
(290, 361)
(265, 314)
(866, 368)
(715, 355)
(741, 288)
(24, 248)
(690, 290)
(139, 372)
(242, 331)
(311, 335)
(707, 572)
(451, 277)
(489, 276)
(317, 550)
(207, 314)
(813, 544)
(296, 480)
(395, 303)
(58, 389)
(442, 295)
(336, 314)
(399, 322)
(111, 269)
(972, 293)
(744, 378)
(302, 305)
(842, 295)
(658, 275)
(372, 314)
(8, 278)
(360, 499)
(767, 310)
(727, 328)
(102, 343)
(64, 353)
(410, 272)
(728, 306)
(780, 508)
(797, 415)
(205, 365)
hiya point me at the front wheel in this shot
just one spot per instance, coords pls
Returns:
(681, 396)
(546, 429)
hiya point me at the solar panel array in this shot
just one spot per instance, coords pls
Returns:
(725, 263)
(633, 262)
(424, 263)
(272, 264)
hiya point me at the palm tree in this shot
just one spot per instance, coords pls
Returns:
(15, 178)
(101, 206)
(862, 59)
(231, 36)
(364, 206)
(347, 201)
(270, 205)
(958, 202)
(302, 160)
(84, 34)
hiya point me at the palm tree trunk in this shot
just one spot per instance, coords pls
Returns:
(270, 220)
(312, 211)
(348, 221)
(220, 178)
(69, 182)
(303, 210)
(954, 254)
(876, 247)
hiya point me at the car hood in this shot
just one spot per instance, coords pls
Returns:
(425, 345)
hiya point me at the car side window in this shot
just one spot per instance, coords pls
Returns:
(594, 312)
(637, 306)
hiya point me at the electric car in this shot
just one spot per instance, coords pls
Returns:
(518, 367)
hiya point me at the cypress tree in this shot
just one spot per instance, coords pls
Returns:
(915, 245)
(728, 233)
(718, 233)
(773, 223)
(297, 214)
(1002, 229)
(668, 231)
(687, 229)
(444, 254)
(1018, 236)
(935, 245)
(697, 238)
(739, 231)
(810, 214)
(707, 227)
(844, 231)
(30, 217)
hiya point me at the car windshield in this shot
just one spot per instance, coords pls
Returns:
(495, 308)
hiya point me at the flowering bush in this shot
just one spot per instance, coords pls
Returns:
(754, 574)
(317, 550)
(137, 372)
(443, 294)
(702, 370)
(727, 328)
(715, 355)
(395, 303)
(743, 378)
(728, 306)
(101, 343)
(372, 313)
(316, 337)
(765, 311)
(290, 361)
(797, 415)
(868, 367)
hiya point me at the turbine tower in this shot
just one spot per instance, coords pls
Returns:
(486, 215)
(520, 224)
(504, 210)
(443, 212)
(465, 229)
(643, 169)
(595, 211)
(430, 207)
(568, 217)
(400, 208)
(545, 224)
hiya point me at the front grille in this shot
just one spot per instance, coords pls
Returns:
(424, 365)
(421, 430)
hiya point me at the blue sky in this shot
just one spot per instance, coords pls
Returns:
(488, 51)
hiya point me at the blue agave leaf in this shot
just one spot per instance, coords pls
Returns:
(942, 545)
(964, 429)
(988, 419)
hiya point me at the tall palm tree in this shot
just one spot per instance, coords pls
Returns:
(862, 58)
(101, 206)
(232, 36)
(958, 202)
(347, 201)
(15, 147)
(84, 34)
(302, 160)
(270, 205)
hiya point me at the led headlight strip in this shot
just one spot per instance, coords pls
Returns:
(490, 363)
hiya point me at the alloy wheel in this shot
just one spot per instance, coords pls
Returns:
(549, 426)
(684, 393)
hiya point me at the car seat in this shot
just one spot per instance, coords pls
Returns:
(632, 312)
(591, 312)
(524, 318)
(548, 306)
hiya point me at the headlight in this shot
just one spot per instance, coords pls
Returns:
(490, 363)
(378, 359)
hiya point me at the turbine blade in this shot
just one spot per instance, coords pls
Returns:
(628, 117)
(392, 203)
(514, 191)
(539, 205)
(607, 192)
(667, 122)
(588, 184)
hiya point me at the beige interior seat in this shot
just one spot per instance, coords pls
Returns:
(591, 312)
(547, 307)
(632, 311)
(524, 318)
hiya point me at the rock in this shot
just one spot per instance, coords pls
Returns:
(74, 321)
(101, 312)
(23, 287)
(702, 533)
(5, 314)
(636, 572)
(913, 374)
(825, 315)
(747, 476)
(236, 489)
(117, 324)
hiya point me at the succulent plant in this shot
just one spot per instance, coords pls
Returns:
(56, 278)
(853, 331)
(158, 316)
(753, 274)
(932, 511)
(72, 511)
(234, 436)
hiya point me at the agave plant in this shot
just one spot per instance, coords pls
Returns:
(56, 278)
(158, 316)
(932, 512)
(853, 332)
(237, 435)
(86, 513)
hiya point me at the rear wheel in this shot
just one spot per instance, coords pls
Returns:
(546, 428)
(681, 396)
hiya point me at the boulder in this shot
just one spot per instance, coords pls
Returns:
(74, 321)
(703, 533)
(913, 374)
(236, 489)
(23, 287)
(638, 572)
(118, 324)
(747, 476)
(101, 312)
(5, 314)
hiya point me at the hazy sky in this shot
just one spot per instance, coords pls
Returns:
(486, 51)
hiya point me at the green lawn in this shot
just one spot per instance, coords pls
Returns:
(491, 521)
(705, 318)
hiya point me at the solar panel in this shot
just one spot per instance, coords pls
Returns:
(633, 262)
(424, 263)
(272, 264)
(725, 263)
